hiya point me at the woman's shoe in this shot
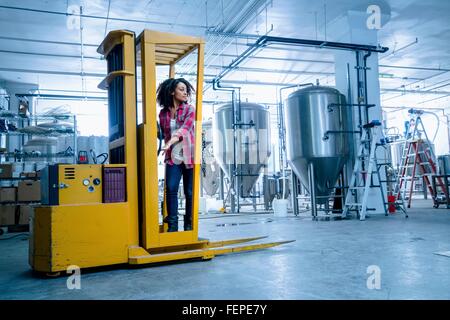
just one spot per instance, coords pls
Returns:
(172, 228)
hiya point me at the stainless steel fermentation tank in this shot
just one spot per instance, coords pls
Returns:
(444, 164)
(252, 148)
(318, 138)
(210, 170)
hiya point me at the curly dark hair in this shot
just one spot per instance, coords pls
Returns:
(164, 93)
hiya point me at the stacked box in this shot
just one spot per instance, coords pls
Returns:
(6, 170)
(25, 214)
(29, 190)
(8, 194)
(7, 215)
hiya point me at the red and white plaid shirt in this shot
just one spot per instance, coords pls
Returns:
(185, 120)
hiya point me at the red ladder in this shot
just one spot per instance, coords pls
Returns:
(419, 148)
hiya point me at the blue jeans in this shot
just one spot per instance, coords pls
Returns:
(173, 177)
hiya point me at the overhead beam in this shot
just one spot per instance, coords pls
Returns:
(67, 14)
(62, 73)
(50, 55)
(49, 41)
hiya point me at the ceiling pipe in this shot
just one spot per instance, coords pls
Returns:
(258, 83)
(277, 46)
(232, 34)
(227, 101)
(332, 62)
(399, 108)
(50, 54)
(415, 91)
(434, 99)
(300, 72)
(441, 86)
(414, 68)
(61, 97)
(67, 90)
(427, 78)
(280, 59)
(265, 83)
(267, 40)
(404, 47)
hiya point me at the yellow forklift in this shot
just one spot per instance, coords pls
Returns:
(104, 214)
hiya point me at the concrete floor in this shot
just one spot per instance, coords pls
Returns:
(328, 260)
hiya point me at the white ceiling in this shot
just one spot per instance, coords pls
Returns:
(52, 59)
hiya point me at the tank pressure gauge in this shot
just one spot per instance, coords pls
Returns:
(86, 182)
(96, 181)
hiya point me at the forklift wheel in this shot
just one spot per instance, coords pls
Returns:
(207, 258)
(1, 231)
(52, 274)
(436, 205)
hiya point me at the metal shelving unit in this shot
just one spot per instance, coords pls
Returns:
(28, 128)
(35, 120)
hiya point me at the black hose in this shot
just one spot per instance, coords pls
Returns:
(94, 157)
(105, 157)
(160, 135)
(15, 236)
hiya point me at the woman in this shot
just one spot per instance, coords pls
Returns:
(177, 119)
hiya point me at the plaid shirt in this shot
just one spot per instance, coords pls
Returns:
(185, 120)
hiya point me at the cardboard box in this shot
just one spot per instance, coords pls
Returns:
(29, 190)
(7, 215)
(31, 174)
(6, 170)
(25, 214)
(8, 194)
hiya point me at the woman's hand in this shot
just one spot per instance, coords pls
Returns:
(169, 144)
